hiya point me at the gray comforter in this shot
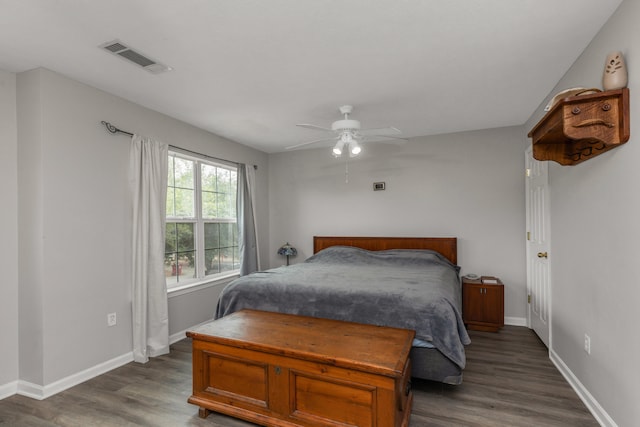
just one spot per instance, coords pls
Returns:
(412, 289)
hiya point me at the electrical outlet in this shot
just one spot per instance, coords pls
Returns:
(111, 319)
(587, 343)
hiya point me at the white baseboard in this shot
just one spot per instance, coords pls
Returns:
(39, 392)
(515, 321)
(8, 389)
(591, 403)
(178, 336)
(35, 391)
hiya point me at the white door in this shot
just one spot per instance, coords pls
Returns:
(538, 256)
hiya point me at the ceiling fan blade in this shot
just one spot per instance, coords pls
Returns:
(380, 131)
(394, 141)
(383, 137)
(310, 142)
(314, 127)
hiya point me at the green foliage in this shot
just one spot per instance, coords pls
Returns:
(179, 245)
(218, 192)
(180, 188)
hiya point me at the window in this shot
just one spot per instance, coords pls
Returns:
(201, 232)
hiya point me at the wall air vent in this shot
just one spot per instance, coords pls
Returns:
(121, 50)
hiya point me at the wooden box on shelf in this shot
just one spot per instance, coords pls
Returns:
(283, 370)
(483, 303)
(578, 128)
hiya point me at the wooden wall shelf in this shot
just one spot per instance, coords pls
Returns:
(578, 128)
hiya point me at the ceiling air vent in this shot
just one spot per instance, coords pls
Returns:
(119, 49)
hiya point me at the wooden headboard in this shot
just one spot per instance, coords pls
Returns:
(447, 246)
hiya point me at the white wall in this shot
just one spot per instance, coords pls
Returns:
(9, 233)
(466, 185)
(595, 221)
(75, 222)
(30, 232)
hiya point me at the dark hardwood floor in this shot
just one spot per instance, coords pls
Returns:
(509, 381)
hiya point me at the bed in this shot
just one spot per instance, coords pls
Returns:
(410, 283)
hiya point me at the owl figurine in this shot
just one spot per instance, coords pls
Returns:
(615, 72)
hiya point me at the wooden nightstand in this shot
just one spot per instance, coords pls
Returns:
(483, 304)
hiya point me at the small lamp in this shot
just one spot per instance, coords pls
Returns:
(287, 250)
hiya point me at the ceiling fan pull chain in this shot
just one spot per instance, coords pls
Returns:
(346, 171)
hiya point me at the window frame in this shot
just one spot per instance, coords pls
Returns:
(199, 221)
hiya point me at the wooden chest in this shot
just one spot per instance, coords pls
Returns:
(282, 370)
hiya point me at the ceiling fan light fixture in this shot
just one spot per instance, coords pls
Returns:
(337, 150)
(354, 149)
(346, 137)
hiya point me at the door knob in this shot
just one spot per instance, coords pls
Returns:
(542, 254)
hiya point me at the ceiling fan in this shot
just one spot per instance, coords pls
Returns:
(348, 134)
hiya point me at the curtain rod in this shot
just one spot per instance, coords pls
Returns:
(111, 128)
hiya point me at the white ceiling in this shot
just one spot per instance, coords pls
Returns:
(249, 70)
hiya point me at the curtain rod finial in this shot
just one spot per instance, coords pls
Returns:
(111, 128)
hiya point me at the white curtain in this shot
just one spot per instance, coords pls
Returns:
(247, 229)
(148, 168)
